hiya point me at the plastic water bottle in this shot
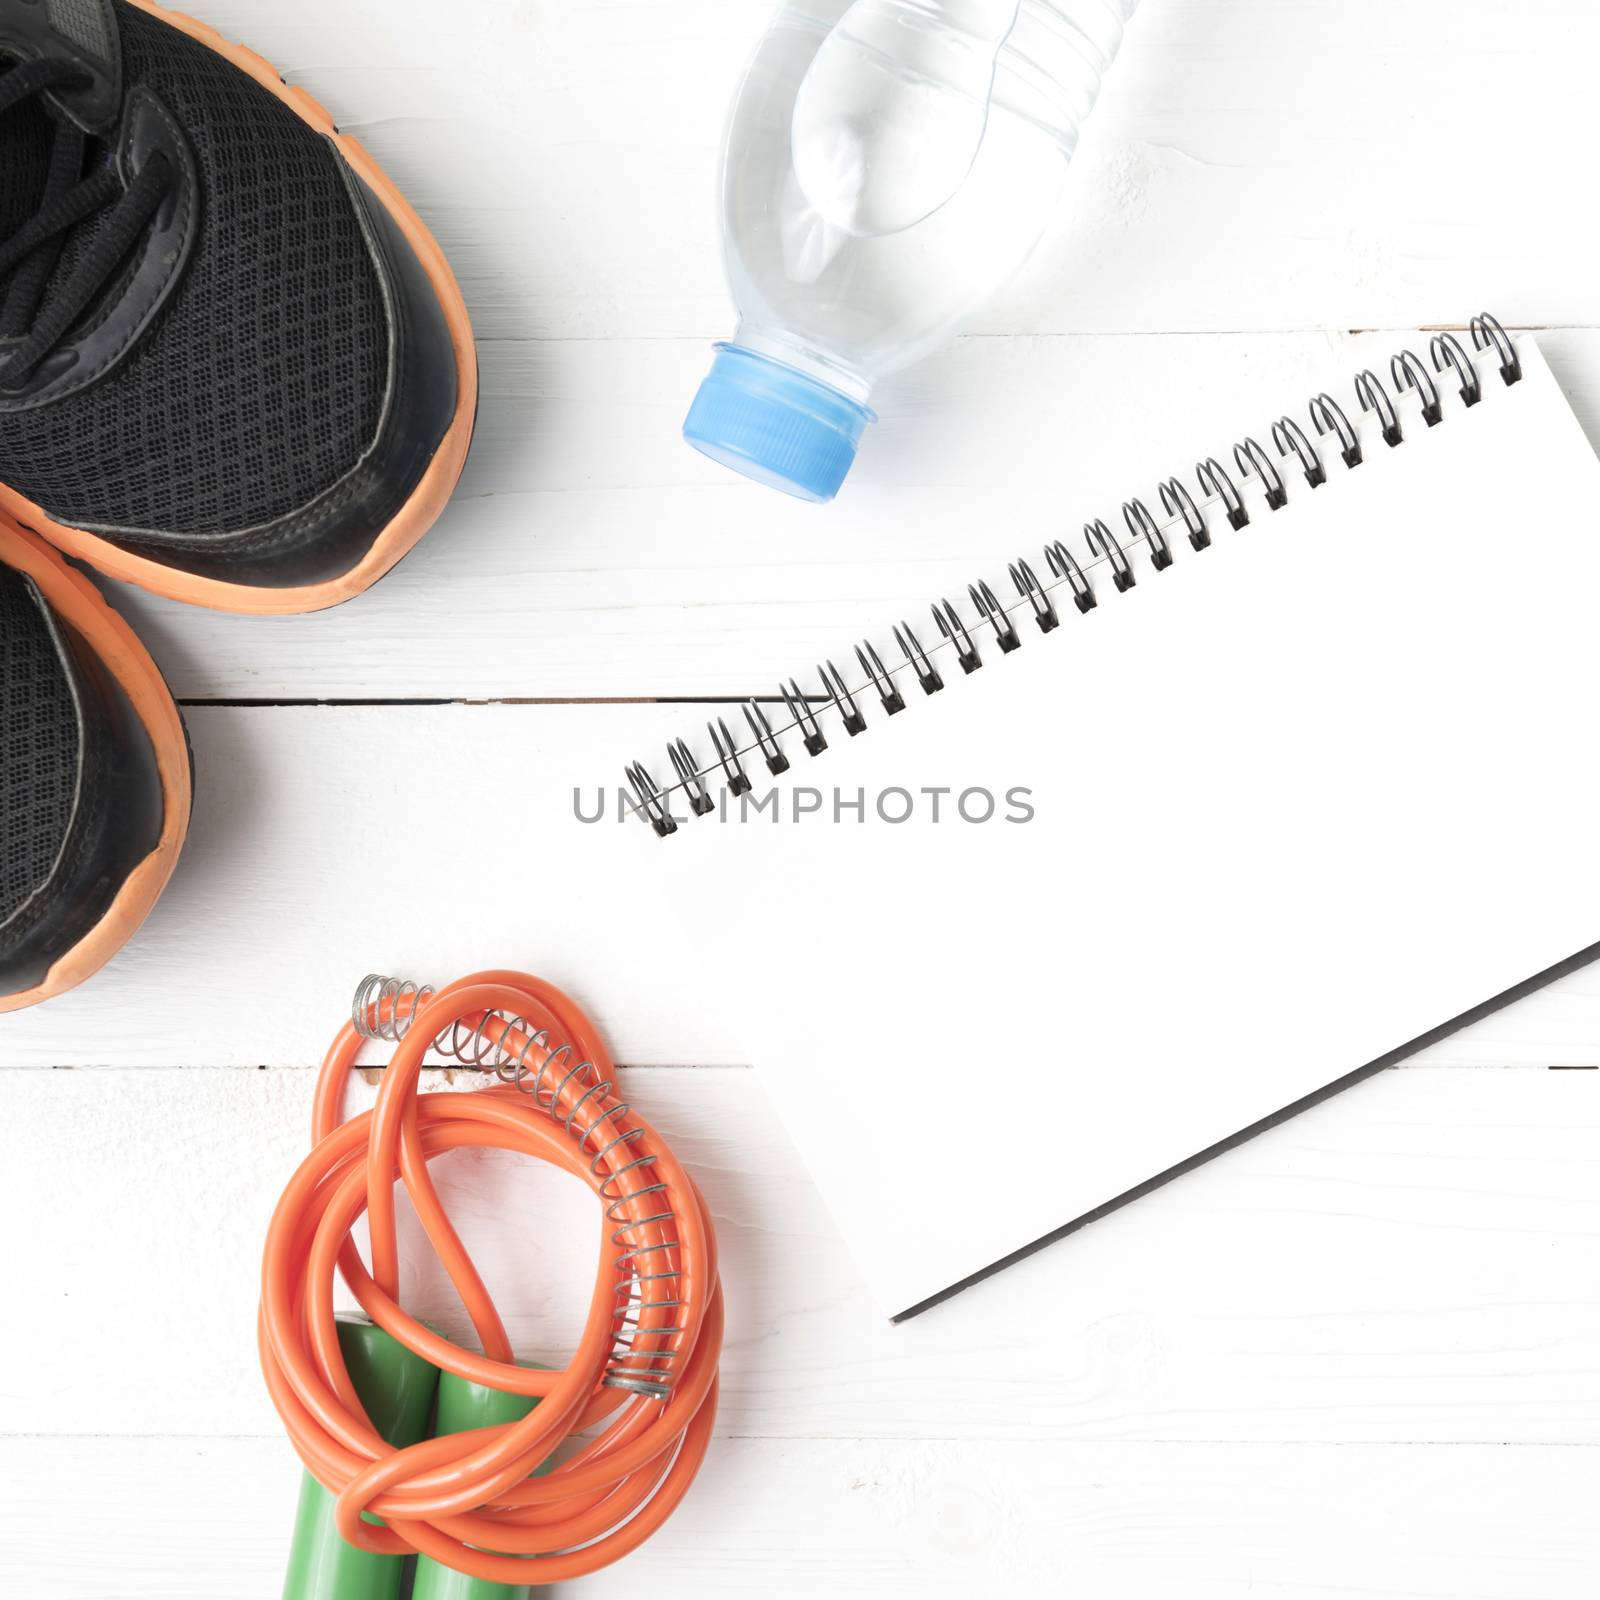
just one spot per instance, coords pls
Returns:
(888, 165)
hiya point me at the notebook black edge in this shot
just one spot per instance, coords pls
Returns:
(1582, 959)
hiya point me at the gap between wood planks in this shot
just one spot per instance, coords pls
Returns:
(449, 1070)
(498, 700)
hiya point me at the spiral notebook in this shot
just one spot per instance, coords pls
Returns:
(1213, 814)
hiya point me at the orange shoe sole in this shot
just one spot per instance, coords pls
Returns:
(81, 606)
(438, 483)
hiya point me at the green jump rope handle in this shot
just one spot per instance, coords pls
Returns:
(397, 1391)
(462, 1407)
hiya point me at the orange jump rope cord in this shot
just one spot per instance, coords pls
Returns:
(468, 1500)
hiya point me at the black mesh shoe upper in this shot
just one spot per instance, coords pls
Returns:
(40, 746)
(226, 433)
(81, 802)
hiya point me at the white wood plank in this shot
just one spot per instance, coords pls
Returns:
(1417, 1260)
(177, 1519)
(329, 842)
(592, 553)
(1252, 164)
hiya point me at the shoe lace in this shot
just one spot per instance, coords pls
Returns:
(30, 328)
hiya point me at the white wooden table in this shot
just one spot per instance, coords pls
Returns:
(1358, 1357)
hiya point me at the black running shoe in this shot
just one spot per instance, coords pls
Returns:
(234, 366)
(94, 776)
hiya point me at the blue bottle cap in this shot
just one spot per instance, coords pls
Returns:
(775, 424)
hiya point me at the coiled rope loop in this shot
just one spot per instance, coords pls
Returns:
(468, 1500)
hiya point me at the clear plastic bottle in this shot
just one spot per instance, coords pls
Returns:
(888, 165)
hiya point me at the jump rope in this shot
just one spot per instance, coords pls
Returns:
(481, 1504)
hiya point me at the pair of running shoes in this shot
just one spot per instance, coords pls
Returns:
(235, 369)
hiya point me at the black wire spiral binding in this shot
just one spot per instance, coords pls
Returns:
(1185, 513)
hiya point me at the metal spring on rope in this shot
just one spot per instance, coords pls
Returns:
(1185, 514)
(644, 1230)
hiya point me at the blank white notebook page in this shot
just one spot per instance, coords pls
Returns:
(1297, 801)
